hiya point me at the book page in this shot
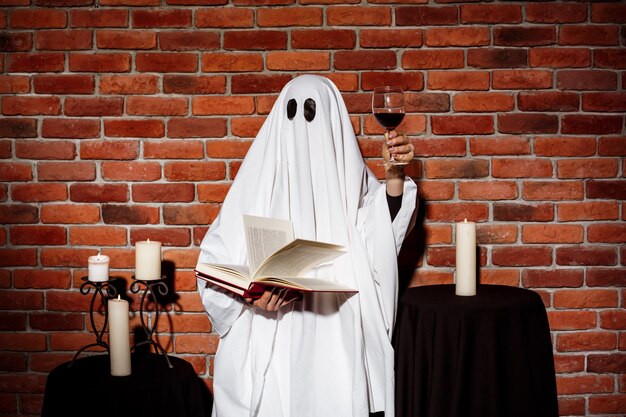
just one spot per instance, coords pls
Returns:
(264, 236)
(235, 274)
(298, 257)
(308, 284)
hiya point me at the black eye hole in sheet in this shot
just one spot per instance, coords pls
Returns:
(309, 109)
(292, 106)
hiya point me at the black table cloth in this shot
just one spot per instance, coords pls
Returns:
(488, 355)
(88, 389)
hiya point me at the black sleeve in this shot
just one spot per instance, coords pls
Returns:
(394, 204)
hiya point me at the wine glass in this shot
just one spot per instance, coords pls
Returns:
(388, 107)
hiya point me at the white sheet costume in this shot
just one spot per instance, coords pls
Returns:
(328, 355)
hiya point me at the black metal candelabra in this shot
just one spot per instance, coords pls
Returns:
(99, 290)
(151, 287)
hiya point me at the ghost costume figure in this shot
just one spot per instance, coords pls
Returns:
(327, 354)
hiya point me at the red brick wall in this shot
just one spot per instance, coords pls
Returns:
(129, 121)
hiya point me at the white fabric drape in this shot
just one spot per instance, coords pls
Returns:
(329, 354)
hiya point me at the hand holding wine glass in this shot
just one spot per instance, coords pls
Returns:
(388, 106)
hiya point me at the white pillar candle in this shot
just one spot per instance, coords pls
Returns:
(466, 258)
(98, 268)
(119, 337)
(148, 260)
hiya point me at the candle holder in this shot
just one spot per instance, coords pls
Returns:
(99, 290)
(151, 287)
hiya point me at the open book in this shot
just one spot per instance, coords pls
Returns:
(275, 259)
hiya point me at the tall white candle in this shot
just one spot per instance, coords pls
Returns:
(148, 260)
(466, 258)
(119, 337)
(98, 268)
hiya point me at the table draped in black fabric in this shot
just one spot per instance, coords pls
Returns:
(88, 389)
(488, 355)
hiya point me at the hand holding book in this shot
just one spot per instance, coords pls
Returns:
(274, 298)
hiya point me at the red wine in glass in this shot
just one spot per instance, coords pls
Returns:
(389, 120)
(388, 107)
